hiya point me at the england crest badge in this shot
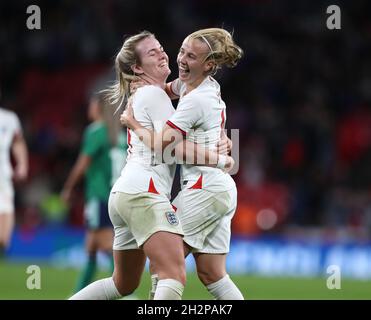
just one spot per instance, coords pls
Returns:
(172, 218)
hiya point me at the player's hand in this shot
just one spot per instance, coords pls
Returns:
(229, 164)
(141, 81)
(127, 117)
(136, 84)
(224, 145)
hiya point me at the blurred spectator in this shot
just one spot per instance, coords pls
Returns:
(100, 165)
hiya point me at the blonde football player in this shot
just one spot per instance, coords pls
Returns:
(208, 198)
(144, 221)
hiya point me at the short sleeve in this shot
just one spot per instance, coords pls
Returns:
(158, 107)
(187, 116)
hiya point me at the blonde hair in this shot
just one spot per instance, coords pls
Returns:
(223, 49)
(125, 59)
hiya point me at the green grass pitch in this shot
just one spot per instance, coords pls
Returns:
(59, 283)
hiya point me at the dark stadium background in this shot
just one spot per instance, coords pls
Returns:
(300, 98)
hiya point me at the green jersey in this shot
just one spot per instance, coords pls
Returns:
(103, 167)
(96, 145)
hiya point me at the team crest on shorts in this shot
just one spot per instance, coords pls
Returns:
(172, 218)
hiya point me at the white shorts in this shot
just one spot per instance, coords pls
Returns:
(136, 217)
(6, 197)
(206, 218)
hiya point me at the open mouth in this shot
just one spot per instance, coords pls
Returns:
(183, 70)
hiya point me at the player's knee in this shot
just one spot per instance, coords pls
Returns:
(179, 268)
(3, 242)
(180, 273)
(125, 286)
(183, 277)
(105, 247)
(172, 261)
(173, 270)
(125, 289)
(209, 276)
(92, 254)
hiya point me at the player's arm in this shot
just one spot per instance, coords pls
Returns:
(170, 91)
(224, 145)
(189, 152)
(170, 139)
(77, 172)
(193, 153)
(20, 154)
(156, 141)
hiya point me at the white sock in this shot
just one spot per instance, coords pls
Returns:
(169, 289)
(225, 289)
(104, 289)
(154, 281)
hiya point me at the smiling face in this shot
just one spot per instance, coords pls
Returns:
(154, 61)
(193, 68)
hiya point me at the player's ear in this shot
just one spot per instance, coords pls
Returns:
(209, 66)
(137, 69)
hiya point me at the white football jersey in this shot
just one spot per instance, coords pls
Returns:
(152, 107)
(9, 127)
(200, 117)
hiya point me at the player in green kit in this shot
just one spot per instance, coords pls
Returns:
(101, 159)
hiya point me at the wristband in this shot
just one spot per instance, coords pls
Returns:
(222, 161)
